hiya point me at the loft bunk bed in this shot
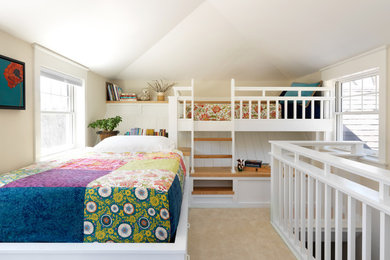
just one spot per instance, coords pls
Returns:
(256, 109)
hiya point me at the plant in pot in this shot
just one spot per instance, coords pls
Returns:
(160, 87)
(106, 126)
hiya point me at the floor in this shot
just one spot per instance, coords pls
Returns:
(234, 234)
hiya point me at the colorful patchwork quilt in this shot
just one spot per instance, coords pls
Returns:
(221, 112)
(99, 197)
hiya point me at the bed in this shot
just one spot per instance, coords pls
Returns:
(111, 194)
(301, 107)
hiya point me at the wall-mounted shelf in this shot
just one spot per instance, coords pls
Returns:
(136, 102)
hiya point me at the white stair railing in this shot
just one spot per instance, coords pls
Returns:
(320, 201)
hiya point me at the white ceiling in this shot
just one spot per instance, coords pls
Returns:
(254, 40)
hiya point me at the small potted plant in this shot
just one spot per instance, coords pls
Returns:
(160, 87)
(106, 126)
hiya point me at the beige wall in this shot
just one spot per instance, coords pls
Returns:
(311, 78)
(213, 88)
(95, 104)
(17, 126)
(203, 89)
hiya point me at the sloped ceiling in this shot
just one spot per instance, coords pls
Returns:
(257, 40)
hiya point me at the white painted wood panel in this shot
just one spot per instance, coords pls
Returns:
(142, 115)
(254, 191)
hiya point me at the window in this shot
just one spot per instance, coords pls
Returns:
(357, 110)
(58, 113)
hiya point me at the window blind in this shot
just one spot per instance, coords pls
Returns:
(61, 77)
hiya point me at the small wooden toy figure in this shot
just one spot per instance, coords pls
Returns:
(240, 165)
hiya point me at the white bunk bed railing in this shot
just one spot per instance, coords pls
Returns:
(325, 99)
(320, 201)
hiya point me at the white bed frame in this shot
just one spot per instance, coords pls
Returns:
(184, 95)
(179, 121)
(101, 251)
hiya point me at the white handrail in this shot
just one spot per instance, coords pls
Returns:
(358, 168)
(286, 88)
(322, 175)
(277, 98)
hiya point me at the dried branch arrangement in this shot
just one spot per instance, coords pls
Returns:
(160, 85)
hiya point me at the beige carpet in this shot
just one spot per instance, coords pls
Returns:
(234, 234)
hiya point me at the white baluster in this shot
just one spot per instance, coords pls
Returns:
(312, 109)
(240, 109)
(281, 193)
(303, 212)
(327, 217)
(318, 219)
(285, 211)
(366, 237)
(295, 109)
(297, 197)
(184, 110)
(351, 228)
(268, 109)
(384, 236)
(338, 225)
(310, 218)
(290, 199)
(285, 109)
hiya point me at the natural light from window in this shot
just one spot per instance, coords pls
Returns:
(57, 116)
(358, 113)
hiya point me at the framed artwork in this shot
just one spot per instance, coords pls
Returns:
(12, 84)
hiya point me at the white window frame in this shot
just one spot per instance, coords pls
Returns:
(72, 113)
(47, 59)
(339, 113)
(373, 59)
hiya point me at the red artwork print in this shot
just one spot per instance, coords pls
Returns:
(13, 74)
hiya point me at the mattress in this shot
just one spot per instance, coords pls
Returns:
(222, 112)
(98, 197)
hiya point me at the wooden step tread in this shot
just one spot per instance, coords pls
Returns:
(185, 150)
(213, 191)
(226, 172)
(213, 139)
(212, 156)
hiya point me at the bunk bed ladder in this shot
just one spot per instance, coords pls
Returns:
(217, 139)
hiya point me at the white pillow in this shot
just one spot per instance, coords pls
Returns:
(135, 143)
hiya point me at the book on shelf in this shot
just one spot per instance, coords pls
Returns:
(140, 131)
(113, 91)
(253, 163)
(128, 97)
